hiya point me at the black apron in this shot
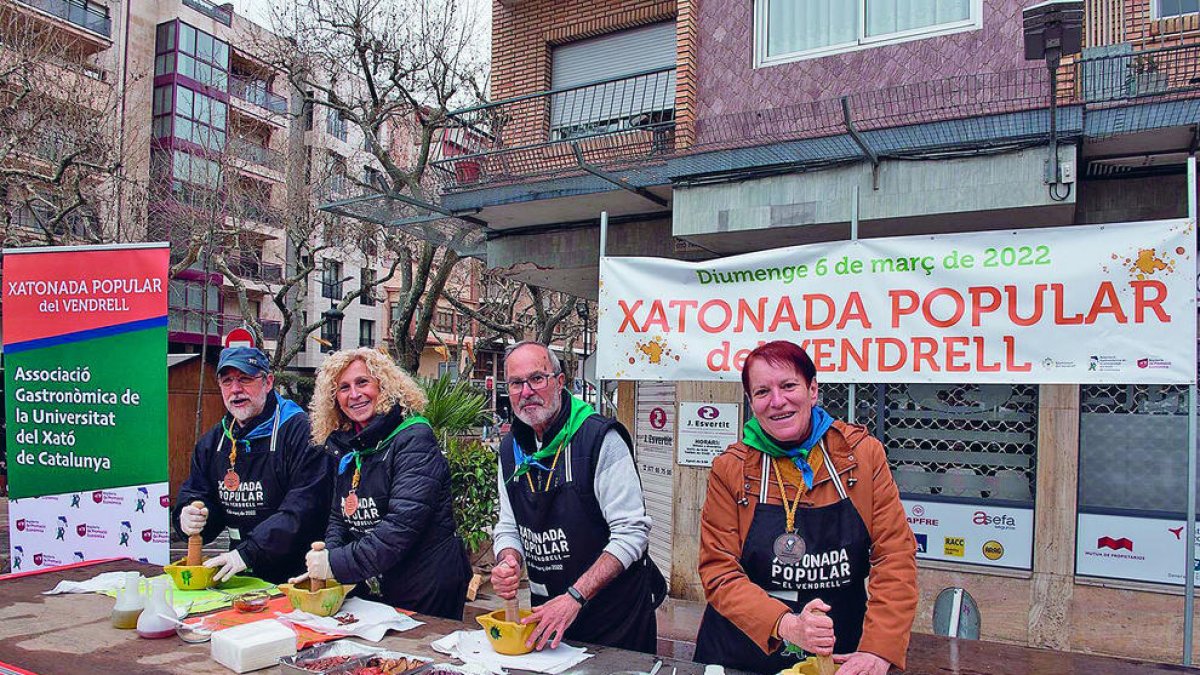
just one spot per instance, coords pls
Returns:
(254, 498)
(563, 532)
(834, 569)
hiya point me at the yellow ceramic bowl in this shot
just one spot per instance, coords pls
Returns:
(806, 667)
(507, 637)
(190, 577)
(325, 602)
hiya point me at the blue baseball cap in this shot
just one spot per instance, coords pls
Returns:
(249, 360)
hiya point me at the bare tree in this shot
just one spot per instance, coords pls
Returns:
(392, 70)
(60, 154)
(511, 310)
(219, 221)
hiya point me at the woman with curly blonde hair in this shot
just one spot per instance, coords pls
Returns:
(392, 523)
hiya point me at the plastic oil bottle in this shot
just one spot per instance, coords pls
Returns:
(130, 602)
(156, 620)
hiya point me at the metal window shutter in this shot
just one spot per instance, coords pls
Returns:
(613, 55)
(654, 449)
(608, 57)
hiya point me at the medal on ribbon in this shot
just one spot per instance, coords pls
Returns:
(789, 547)
(231, 480)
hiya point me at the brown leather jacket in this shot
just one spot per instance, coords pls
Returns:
(733, 488)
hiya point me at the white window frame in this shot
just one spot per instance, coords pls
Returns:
(762, 60)
(1156, 11)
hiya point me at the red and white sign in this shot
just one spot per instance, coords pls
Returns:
(1136, 549)
(239, 337)
(1087, 304)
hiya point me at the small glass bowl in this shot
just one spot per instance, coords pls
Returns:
(192, 633)
(252, 602)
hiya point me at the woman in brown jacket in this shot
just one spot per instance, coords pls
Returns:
(795, 558)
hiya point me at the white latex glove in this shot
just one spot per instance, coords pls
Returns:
(317, 563)
(230, 563)
(192, 519)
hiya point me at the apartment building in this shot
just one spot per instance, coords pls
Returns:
(707, 129)
(215, 142)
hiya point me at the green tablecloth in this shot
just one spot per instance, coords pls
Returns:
(209, 598)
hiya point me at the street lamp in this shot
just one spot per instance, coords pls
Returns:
(333, 316)
(1052, 29)
(581, 308)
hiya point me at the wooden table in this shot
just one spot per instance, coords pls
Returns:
(50, 634)
(71, 634)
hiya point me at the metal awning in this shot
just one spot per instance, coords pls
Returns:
(457, 230)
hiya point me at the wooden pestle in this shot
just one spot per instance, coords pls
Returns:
(315, 584)
(512, 608)
(825, 665)
(195, 543)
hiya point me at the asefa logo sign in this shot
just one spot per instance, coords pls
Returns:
(922, 543)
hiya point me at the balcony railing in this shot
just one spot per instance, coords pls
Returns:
(632, 119)
(248, 267)
(256, 92)
(1130, 74)
(87, 17)
(255, 153)
(221, 13)
(191, 324)
(621, 118)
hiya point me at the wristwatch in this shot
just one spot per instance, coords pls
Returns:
(578, 597)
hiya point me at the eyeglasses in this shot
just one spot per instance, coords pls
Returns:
(536, 382)
(244, 380)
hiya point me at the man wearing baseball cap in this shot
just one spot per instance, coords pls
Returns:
(258, 475)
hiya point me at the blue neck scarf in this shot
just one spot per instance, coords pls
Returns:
(285, 409)
(754, 436)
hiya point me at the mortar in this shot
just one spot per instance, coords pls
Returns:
(190, 577)
(507, 637)
(324, 602)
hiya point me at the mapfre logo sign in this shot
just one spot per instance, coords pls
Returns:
(916, 516)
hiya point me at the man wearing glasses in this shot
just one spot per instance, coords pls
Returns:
(258, 475)
(571, 509)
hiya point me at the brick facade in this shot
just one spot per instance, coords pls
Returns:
(523, 35)
(729, 82)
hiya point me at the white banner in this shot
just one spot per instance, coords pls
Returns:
(1087, 304)
(1138, 549)
(705, 430)
(76, 526)
(972, 533)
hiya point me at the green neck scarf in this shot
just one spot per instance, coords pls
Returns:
(580, 411)
(754, 436)
(357, 455)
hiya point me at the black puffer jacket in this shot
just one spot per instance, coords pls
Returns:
(282, 499)
(402, 531)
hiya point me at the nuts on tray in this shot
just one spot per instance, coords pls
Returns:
(379, 665)
(326, 662)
